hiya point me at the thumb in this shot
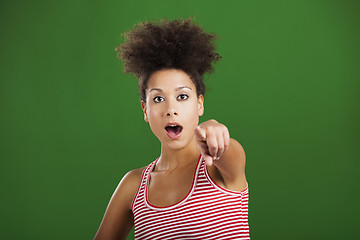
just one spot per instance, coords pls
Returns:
(208, 160)
(200, 133)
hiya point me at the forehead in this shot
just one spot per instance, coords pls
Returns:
(170, 79)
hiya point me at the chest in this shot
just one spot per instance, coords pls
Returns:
(167, 189)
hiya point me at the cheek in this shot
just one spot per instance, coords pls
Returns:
(154, 116)
(154, 111)
(153, 123)
(192, 112)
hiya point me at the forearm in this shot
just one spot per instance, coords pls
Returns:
(232, 163)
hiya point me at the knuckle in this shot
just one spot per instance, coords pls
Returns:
(213, 148)
(224, 128)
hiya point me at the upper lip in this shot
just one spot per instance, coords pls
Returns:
(173, 123)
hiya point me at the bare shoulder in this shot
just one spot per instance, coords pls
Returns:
(132, 178)
(129, 184)
(118, 218)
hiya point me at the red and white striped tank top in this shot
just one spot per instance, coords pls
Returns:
(207, 212)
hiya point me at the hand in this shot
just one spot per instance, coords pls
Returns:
(213, 140)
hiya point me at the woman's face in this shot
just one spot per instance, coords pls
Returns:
(172, 107)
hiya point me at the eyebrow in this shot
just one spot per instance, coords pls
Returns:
(176, 89)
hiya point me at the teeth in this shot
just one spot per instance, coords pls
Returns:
(172, 125)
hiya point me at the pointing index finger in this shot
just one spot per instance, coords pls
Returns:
(200, 134)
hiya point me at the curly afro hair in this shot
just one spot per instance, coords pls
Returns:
(177, 44)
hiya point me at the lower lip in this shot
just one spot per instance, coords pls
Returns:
(173, 136)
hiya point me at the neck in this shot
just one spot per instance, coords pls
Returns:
(171, 159)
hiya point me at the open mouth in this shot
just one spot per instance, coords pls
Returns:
(173, 130)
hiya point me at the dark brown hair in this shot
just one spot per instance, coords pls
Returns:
(177, 44)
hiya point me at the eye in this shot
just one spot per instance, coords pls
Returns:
(183, 97)
(158, 99)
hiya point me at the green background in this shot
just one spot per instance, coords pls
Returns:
(287, 88)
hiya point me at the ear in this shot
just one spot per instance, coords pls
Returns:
(201, 105)
(144, 108)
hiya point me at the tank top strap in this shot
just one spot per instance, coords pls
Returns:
(140, 194)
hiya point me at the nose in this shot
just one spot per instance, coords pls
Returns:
(171, 111)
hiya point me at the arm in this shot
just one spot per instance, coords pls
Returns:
(221, 151)
(118, 219)
(232, 164)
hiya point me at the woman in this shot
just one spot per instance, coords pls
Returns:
(196, 188)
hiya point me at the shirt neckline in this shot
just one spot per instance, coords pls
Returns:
(147, 202)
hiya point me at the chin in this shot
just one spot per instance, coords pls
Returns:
(176, 144)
